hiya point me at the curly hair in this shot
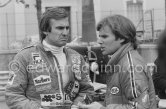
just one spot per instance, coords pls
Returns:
(121, 27)
(51, 13)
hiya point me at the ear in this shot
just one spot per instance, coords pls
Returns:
(121, 40)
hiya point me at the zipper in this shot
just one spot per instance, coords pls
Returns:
(60, 81)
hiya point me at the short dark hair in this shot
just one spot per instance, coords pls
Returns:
(51, 13)
(121, 27)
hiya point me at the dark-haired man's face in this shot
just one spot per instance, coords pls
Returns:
(109, 44)
(59, 34)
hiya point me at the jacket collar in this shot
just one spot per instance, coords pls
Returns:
(41, 46)
(120, 53)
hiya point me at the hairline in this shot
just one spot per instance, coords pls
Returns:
(51, 19)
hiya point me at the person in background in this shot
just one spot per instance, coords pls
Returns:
(129, 85)
(48, 75)
(159, 73)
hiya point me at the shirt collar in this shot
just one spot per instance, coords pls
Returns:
(119, 54)
(53, 49)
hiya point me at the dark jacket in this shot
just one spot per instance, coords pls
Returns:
(129, 85)
(159, 78)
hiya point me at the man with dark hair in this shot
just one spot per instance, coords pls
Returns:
(45, 23)
(129, 86)
(48, 75)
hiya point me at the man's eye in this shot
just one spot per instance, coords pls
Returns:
(60, 27)
(67, 27)
(103, 36)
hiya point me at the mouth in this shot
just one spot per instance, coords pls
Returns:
(102, 48)
(64, 40)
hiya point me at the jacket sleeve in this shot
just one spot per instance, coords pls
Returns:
(85, 84)
(17, 84)
(136, 90)
(159, 81)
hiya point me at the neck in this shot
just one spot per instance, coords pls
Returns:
(53, 49)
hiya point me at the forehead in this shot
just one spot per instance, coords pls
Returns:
(105, 30)
(61, 22)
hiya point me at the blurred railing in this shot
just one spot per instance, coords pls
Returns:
(4, 75)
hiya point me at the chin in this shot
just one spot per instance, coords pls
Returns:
(104, 53)
(107, 53)
(62, 44)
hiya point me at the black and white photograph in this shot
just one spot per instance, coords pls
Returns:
(82, 54)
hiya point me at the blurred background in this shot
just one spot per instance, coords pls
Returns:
(19, 25)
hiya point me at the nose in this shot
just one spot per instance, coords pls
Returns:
(65, 31)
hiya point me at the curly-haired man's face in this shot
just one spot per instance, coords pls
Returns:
(59, 34)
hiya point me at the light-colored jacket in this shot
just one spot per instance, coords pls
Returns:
(35, 82)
